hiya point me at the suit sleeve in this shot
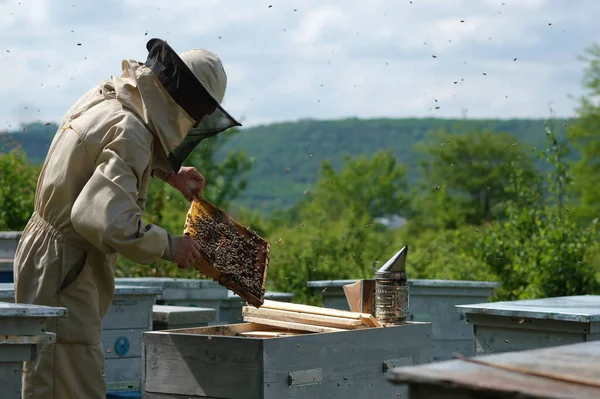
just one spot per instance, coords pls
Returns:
(106, 211)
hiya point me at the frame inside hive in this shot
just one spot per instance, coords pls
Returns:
(233, 255)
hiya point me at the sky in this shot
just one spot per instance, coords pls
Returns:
(288, 60)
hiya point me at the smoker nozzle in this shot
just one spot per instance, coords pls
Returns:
(396, 265)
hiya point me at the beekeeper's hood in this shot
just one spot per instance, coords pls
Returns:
(179, 98)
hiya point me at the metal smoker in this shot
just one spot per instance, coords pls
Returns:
(391, 290)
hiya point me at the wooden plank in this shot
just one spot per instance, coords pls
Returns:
(8, 309)
(213, 366)
(294, 307)
(578, 360)
(268, 334)
(225, 330)
(545, 374)
(45, 338)
(291, 326)
(371, 321)
(295, 317)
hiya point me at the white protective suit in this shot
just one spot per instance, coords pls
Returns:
(89, 203)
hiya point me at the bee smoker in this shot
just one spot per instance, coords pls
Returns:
(391, 290)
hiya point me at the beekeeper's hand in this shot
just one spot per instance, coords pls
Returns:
(185, 252)
(188, 182)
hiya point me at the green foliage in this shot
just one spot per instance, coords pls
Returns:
(333, 235)
(480, 207)
(539, 250)
(301, 147)
(585, 133)
(17, 189)
(322, 249)
(372, 188)
(465, 174)
(443, 254)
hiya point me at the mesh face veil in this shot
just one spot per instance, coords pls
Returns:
(198, 94)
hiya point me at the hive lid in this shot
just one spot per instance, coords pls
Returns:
(395, 267)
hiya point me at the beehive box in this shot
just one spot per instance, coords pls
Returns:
(22, 329)
(233, 255)
(565, 368)
(8, 246)
(530, 324)
(8, 243)
(213, 362)
(130, 314)
(176, 317)
(429, 301)
(7, 292)
(200, 293)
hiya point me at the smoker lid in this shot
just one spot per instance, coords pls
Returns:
(395, 267)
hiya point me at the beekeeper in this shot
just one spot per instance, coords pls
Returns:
(90, 200)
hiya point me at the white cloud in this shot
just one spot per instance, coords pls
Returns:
(373, 59)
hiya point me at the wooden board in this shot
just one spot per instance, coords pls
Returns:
(268, 334)
(293, 307)
(203, 209)
(461, 380)
(295, 317)
(44, 338)
(291, 326)
(229, 330)
(200, 365)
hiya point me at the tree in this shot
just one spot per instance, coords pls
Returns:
(18, 179)
(324, 249)
(585, 134)
(540, 250)
(364, 188)
(332, 234)
(465, 175)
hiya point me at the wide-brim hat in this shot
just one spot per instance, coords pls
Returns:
(196, 80)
